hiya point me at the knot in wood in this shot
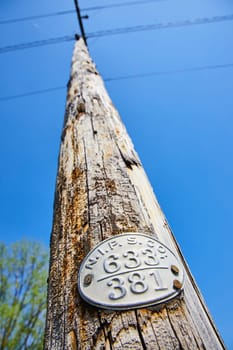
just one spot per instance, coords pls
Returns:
(81, 107)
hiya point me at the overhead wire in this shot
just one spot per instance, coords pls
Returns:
(126, 77)
(121, 4)
(118, 31)
(33, 17)
(167, 72)
(86, 9)
(37, 43)
(31, 93)
(161, 25)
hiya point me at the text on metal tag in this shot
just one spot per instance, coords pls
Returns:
(130, 271)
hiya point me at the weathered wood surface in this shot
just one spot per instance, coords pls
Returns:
(101, 191)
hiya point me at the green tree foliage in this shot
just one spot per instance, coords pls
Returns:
(23, 273)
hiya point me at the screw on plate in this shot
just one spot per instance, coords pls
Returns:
(177, 284)
(87, 280)
(175, 269)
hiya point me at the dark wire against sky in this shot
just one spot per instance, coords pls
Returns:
(118, 31)
(87, 9)
(124, 77)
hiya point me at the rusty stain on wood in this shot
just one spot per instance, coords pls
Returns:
(101, 191)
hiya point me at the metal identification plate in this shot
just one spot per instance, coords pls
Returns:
(130, 271)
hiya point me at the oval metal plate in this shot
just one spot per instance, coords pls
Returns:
(129, 271)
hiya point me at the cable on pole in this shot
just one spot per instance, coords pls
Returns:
(80, 21)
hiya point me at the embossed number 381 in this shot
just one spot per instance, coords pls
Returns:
(137, 285)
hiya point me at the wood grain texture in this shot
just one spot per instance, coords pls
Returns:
(101, 191)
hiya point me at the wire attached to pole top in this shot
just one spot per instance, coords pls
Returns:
(80, 21)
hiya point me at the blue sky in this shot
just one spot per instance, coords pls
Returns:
(181, 123)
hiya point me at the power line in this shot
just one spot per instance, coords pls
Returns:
(36, 92)
(87, 9)
(167, 72)
(126, 77)
(161, 25)
(37, 43)
(117, 31)
(125, 4)
(30, 18)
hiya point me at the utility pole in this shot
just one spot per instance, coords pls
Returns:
(117, 277)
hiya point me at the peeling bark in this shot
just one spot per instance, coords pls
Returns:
(101, 191)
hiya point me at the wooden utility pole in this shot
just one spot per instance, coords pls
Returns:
(101, 192)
